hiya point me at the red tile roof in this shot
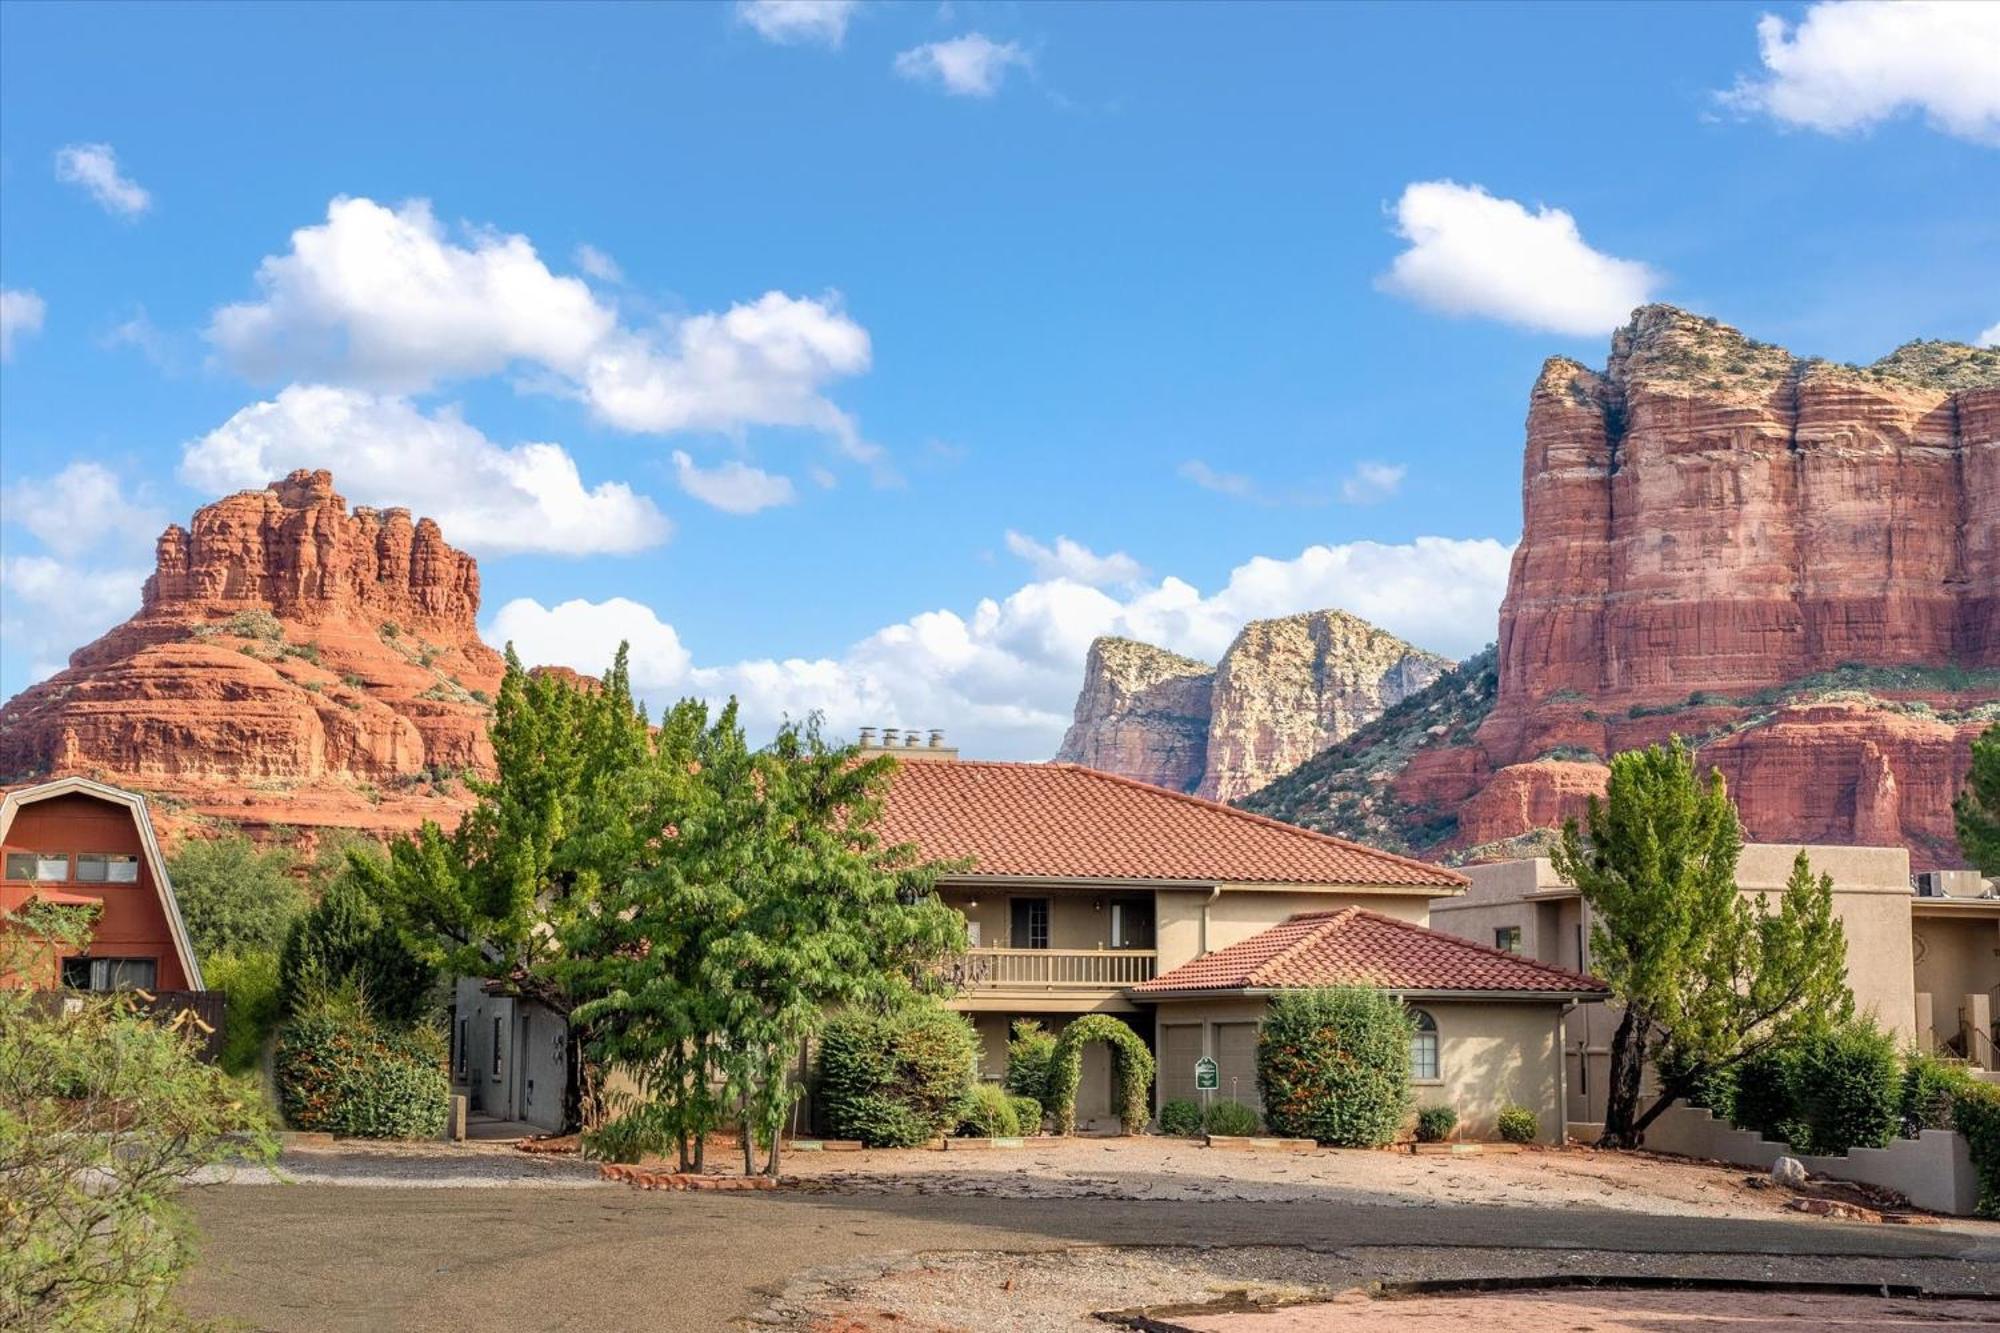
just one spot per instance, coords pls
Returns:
(1062, 821)
(1354, 947)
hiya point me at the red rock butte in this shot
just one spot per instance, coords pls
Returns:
(292, 663)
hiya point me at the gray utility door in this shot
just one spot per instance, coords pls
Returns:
(495, 1078)
(1093, 1093)
(1236, 1054)
(542, 1066)
(1180, 1047)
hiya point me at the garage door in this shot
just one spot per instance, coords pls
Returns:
(1236, 1054)
(1180, 1047)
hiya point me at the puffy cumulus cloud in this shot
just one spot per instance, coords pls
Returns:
(81, 508)
(384, 299)
(1991, 337)
(798, 22)
(21, 315)
(1073, 560)
(733, 487)
(1472, 253)
(1370, 483)
(48, 607)
(383, 450)
(970, 66)
(1847, 66)
(94, 166)
(1003, 677)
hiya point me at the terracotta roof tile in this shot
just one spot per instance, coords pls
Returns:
(1355, 947)
(1063, 821)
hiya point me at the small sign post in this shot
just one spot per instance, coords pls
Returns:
(1207, 1077)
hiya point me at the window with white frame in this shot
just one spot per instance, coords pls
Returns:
(107, 868)
(1424, 1048)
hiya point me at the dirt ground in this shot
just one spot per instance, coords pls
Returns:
(1637, 1311)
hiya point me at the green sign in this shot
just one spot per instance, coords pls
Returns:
(1207, 1078)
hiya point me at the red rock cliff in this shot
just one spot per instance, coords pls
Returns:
(292, 662)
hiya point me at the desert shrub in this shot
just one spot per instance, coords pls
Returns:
(1029, 1054)
(1131, 1071)
(342, 1072)
(1435, 1124)
(1180, 1117)
(1975, 1113)
(895, 1080)
(344, 941)
(233, 895)
(1228, 1117)
(1334, 1065)
(254, 624)
(1027, 1114)
(249, 983)
(1764, 1098)
(1848, 1087)
(1930, 1086)
(988, 1114)
(1518, 1124)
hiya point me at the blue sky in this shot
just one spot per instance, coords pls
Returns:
(829, 321)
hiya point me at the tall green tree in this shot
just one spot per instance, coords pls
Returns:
(1977, 809)
(1707, 976)
(234, 896)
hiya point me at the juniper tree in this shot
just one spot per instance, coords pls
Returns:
(1707, 976)
(1977, 809)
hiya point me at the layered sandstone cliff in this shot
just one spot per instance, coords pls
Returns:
(291, 663)
(1284, 691)
(1794, 564)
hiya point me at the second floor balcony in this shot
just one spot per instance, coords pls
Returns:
(1055, 970)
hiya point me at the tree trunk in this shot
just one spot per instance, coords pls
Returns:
(749, 1139)
(1628, 1067)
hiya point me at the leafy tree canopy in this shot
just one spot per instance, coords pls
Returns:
(234, 896)
(1977, 809)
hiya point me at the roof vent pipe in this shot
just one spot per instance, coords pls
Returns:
(937, 738)
(868, 738)
(891, 737)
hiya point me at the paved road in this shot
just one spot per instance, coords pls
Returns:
(321, 1256)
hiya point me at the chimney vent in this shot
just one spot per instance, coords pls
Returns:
(911, 740)
(868, 738)
(937, 738)
(891, 738)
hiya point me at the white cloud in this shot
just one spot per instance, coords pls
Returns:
(1370, 483)
(1233, 484)
(94, 166)
(598, 264)
(795, 22)
(1074, 561)
(81, 508)
(970, 66)
(140, 333)
(733, 487)
(487, 497)
(1003, 677)
(1847, 66)
(1474, 254)
(21, 314)
(383, 299)
(1991, 337)
(49, 608)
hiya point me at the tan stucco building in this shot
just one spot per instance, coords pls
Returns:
(1925, 964)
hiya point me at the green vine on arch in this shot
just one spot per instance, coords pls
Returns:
(1131, 1071)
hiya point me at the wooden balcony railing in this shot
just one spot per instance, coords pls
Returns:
(1052, 969)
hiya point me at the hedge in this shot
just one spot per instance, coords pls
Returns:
(1027, 1114)
(1828, 1092)
(1132, 1072)
(1030, 1054)
(1975, 1113)
(1334, 1065)
(896, 1080)
(1435, 1124)
(1518, 1124)
(341, 1073)
(1180, 1117)
(1930, 1087)
(989, 1114)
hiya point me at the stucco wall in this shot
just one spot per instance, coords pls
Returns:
(1490, 1054)
(1957, 956)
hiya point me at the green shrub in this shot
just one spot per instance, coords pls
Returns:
(341, 1072)
(1027, 1114)
(234, 896)
(1848, 1088)
(1764, 1098)
(1334, 1065)
(897, 1080)
(1131, 1072)
(248, 981)
(1030, 1053)
(1975, 1113)
(1435, 1124)
(988, 1114)
(1230, 1118)
(1518, 1124)
(1930, 1086)
(344, 941)
(1180, 1117)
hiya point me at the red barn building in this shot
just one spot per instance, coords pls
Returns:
(74, 840)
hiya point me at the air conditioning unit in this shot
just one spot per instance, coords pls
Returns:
(1950, 884)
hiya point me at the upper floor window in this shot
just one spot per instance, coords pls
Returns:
(1424, 1047)
(38, 865)
(1508, 938)
(110, 973)
(107, 868)
(1131, 923)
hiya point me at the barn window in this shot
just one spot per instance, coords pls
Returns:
(107, 868)
(1424, 1048)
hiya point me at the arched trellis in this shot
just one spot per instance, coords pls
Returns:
(1131, 1071)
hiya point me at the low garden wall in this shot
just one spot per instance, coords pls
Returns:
(1932, 1171)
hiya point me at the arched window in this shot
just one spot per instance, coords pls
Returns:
(1424, 1047)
